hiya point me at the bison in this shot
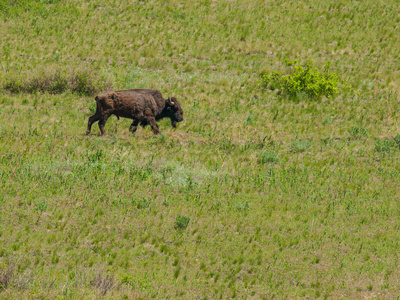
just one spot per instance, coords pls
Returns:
(143, 106)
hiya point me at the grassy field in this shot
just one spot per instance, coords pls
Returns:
(252, 196)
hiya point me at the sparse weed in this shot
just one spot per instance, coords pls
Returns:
(397, 139)
(357, 132)
(327, 140)
(103, 282)
(327, 120)
(23, 281)
(41, 206)
(95, 156)
(249, 119)
(385, 145)
(300, 145)
(242, 205)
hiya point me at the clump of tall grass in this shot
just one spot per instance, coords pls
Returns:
(16, 8)
(268, 157)
(357, 132)
(141, 203)
(182, 222)
(7, 272)
(84, 82)
(386, 145)
(103, 282)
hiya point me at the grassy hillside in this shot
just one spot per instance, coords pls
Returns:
(252, 196)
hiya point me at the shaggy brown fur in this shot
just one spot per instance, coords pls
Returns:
(144, 106)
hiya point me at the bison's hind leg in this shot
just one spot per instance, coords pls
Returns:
(134, 126)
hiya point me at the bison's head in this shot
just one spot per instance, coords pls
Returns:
(174, 110)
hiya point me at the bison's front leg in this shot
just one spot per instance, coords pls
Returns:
(92, 120)
(153, 124)
(150, 119)
(102, 122)
(134, 126)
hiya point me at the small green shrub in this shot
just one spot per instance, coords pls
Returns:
(182, 222)
(305, 81)
(268, 157)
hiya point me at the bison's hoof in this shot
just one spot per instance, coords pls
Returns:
(87, 132)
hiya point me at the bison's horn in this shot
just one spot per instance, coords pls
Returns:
(169, 100)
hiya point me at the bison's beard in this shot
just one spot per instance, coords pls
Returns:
(173, 123)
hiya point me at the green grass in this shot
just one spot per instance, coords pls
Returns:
(251, 196)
